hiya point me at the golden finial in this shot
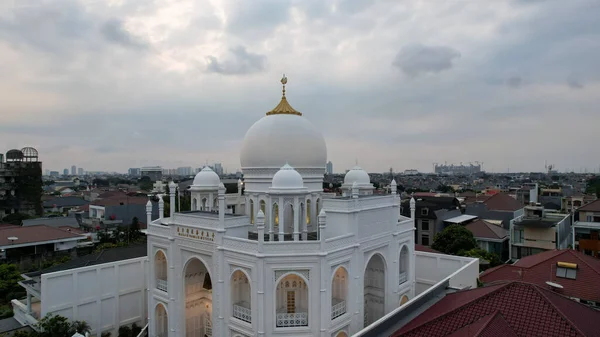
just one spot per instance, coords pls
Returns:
(284, 108)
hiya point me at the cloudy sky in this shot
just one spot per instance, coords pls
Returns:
(113, 84)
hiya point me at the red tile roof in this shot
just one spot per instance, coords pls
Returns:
(421, 248)
(540, 268)
(485, 230)
(33, 234)
(507, 309)
(593, 206)
(502, 202)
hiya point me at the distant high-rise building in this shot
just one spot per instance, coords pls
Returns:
(66, 172)
(134, 172)
(153, 172)
(80, 171)
(54, 173)
(329, 167)
(73, 170)
(218, 169)
(185, 171)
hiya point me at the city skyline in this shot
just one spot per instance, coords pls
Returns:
(400, 84)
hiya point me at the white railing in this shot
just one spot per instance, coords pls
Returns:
(208, 327)
(290, 320)
(241, 312)
(338, 309)
(161, 284)
(145, 330)
(21, 314)
(402, 277)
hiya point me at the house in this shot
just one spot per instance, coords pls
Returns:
(27, 244)
(508, 308)
(63, 204)
(55, 222)
(573, 274)
(499, 206)
(116, 209)
(539, 230)
(575, 201)
(490, 237)
(586, 231)
(431, 211)
(105, 289)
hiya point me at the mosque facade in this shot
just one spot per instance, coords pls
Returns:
(294, 261)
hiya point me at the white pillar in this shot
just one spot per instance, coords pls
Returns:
(221, 206)
(210, 201)
(271, 220)
(296, 219)
(161, 206)
(29, 303)
(172, 191)
(322, 226)
(260, 225)
(281, 222)
(354, 190)
(148, 213)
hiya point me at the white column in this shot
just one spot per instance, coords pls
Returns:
(322, 226)
(280, 208)
(209, 202)
(221, 206)
(271, 219)
(172, 192)
(296, 219)
(260, 226)
(28, 303)
(161, 206)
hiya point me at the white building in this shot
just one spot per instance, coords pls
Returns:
(296, 263)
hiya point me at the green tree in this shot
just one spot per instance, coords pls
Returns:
(454, 239)
(15, 218)
(9, 276)
(492, 258)
(445, 189)
(59, 326)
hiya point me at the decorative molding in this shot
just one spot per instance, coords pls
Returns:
(303, 272)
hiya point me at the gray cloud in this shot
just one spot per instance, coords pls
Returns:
(514, 81)
(239, 62)
(418, 59)
(114, 31)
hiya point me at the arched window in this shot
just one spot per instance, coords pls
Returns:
(160, 270)
(291, 302)
(339, 292)
(204, 207)
(194, 204)
(308, 212)
(403, 300)
(404, 261)
(197, 299)
(275, 214)
(241, 296)
(374, 290)
(251, 211)
(161, 321)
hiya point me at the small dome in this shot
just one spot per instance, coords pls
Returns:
(207, 178)
(287, 178)
(358, 176)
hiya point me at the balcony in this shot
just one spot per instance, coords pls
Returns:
(161, 284)
(338, 308)
(242, 312)
(402, 277)
(285, 320)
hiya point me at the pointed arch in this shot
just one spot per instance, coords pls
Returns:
(160, 270)
(161, 320)
(339, 292)
(241, 295)
(403, 264)
(251, 211)
(308, 212)
(291, 300)
(374, 288)
(197, 297)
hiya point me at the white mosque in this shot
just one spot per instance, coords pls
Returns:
(291, 260)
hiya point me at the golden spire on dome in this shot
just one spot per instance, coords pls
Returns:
(284, 108)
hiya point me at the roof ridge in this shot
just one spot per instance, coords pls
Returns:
(559, 252)
(468, 303)
(493, 315)
(562, 314)
(582, 260)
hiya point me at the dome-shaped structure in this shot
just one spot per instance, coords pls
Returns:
(207, 178)
(287, 178)
(14, 155)
(357, 175)
(283, 136)
(30, 154)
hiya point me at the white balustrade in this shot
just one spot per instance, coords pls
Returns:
(402, 277)
(291, 320)
(241, 312)
(161, 284)
(338, 309)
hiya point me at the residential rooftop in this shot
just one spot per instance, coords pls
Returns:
(34, 234)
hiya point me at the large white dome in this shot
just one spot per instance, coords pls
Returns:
(283, 138)
(357, 175)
